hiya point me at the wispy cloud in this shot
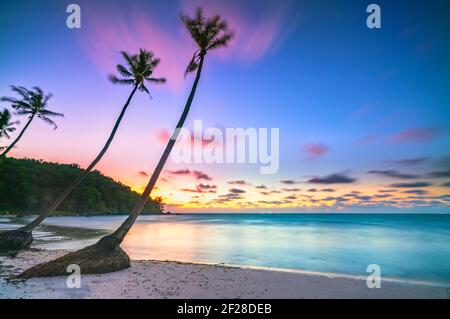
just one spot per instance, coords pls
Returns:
(111, 29)
(416, 135)
(180, 172)
(315, 150)
(415, 191)
(412, 161)
(256, 36)
(237, 182)
(438, 174)
(143, 174)
(236, 191)
(201, 175)
(288, 182)
(201, 188)
(393, 174)
(410, 185)
(332, 179)
(292, 189)
(162, 136)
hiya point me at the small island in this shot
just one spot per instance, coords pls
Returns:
(27, 186)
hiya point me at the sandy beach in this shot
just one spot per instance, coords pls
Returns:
(157, 279)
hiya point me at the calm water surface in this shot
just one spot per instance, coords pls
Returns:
(415, 247)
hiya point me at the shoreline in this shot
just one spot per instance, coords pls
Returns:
(331, 275)
(182, 280)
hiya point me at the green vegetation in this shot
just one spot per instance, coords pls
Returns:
(27, 186)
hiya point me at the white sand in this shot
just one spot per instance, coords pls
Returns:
(152, 279)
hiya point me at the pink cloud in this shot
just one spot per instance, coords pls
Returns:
(143, 174)
(256, 35)
(162, 136)
(416, 135)
(315, 150)
(109, 30)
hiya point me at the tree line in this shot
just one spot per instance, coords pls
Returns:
(28, 186)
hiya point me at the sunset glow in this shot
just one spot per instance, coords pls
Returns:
(360, 130)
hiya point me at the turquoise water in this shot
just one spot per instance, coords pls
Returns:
(414, 247)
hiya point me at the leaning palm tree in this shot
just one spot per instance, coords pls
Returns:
(32, 103)
(139, 71)
(106, 255)
(6, 126)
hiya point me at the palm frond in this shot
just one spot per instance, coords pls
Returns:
(221, 41)
(156, 80)
(154, 63)
(127, 58)
(51, 113)
(115, 80)
(123, 71)
(140, 69)
(208, 33)
(48, 121)
(23, 92)
(39, 91)
(24, 112)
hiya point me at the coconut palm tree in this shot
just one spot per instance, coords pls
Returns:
(32, 103)
(106, 255)
(6, 126)
(139, 71)
(208, 34)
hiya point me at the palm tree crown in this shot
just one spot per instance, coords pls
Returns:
(140, 69)
(5, 125)
(208, 34)
(32, 103)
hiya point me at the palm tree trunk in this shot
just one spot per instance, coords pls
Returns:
(82, 176)
(18, 137)
(121, 232)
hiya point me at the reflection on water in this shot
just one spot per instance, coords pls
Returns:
(405, 246)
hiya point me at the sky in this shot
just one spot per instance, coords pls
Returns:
(363, 114)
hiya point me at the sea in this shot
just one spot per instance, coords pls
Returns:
(402, 247)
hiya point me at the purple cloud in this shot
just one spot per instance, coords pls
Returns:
(180, 172)
(410, 185)
(416, 191)
(236, 191)
(200, 175)
(288, 182)
(332, 179)
(393, 174)
(438, 174)
(238, 182)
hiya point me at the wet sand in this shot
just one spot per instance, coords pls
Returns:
(167, 279)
